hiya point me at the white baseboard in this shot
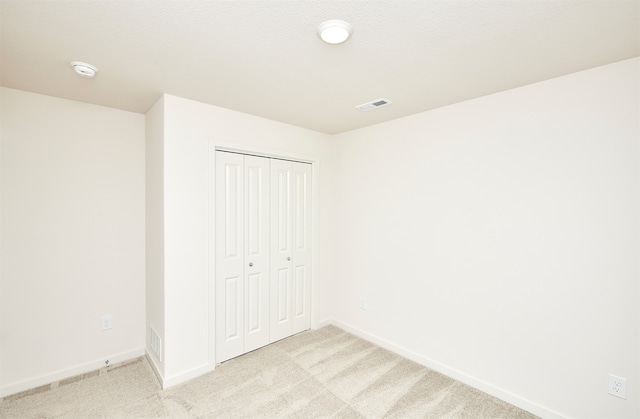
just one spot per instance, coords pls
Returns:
(177, 378)
(323, 323)
(186, 376)
(69, 372)
(155, 366)
(477, 383)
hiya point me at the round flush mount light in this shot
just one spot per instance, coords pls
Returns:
(334, 31)
(84, 69)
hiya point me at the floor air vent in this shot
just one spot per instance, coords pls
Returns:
(374, 104)
(156, 344)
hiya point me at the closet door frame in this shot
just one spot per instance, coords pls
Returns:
(312, 161)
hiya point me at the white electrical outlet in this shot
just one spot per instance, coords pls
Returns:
(106, 322)
(618, 386)
(363, 303)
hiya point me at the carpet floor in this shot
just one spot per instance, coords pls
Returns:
(320, 373)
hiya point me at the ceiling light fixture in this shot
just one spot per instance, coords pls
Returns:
(334, 31)
(84, 69)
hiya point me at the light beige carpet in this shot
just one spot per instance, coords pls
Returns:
(321, 373)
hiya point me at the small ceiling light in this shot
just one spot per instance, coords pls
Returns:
(334, 31)
(84, 69)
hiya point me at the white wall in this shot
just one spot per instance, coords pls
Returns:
(72, 238)
(498, 239)
(154, 221)
(192, 131)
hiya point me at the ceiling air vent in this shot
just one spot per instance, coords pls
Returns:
(378, 103)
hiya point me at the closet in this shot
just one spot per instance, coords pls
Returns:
(263, 251)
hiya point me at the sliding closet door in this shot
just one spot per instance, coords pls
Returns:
(242, 254)
(290, 248)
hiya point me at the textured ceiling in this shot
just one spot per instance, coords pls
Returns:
(263, 57)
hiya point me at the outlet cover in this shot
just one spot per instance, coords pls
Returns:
(106, 322)
(617, 386)
(363, 303)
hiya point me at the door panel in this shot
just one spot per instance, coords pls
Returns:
(281, 223)
(254, 181)
(253, 303)
(232, 309)
(282, 296)
(229, 287)
(283, 206)
(302, 249)
(257, 252)
(299, 207)
(299, 292)
(232, 218)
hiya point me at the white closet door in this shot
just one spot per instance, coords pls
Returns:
(290, 248)
(242, 254)
(301, 292)
(229, 256)
(263, 251)
(281, 249)
(256, 218)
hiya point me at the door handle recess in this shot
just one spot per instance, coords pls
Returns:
(250, 264)
(289, 258)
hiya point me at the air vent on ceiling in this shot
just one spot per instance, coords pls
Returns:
(374, 104)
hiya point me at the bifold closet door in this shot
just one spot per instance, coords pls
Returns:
(290, 248)
(242, 254)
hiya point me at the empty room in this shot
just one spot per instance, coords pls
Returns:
(332, 208)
